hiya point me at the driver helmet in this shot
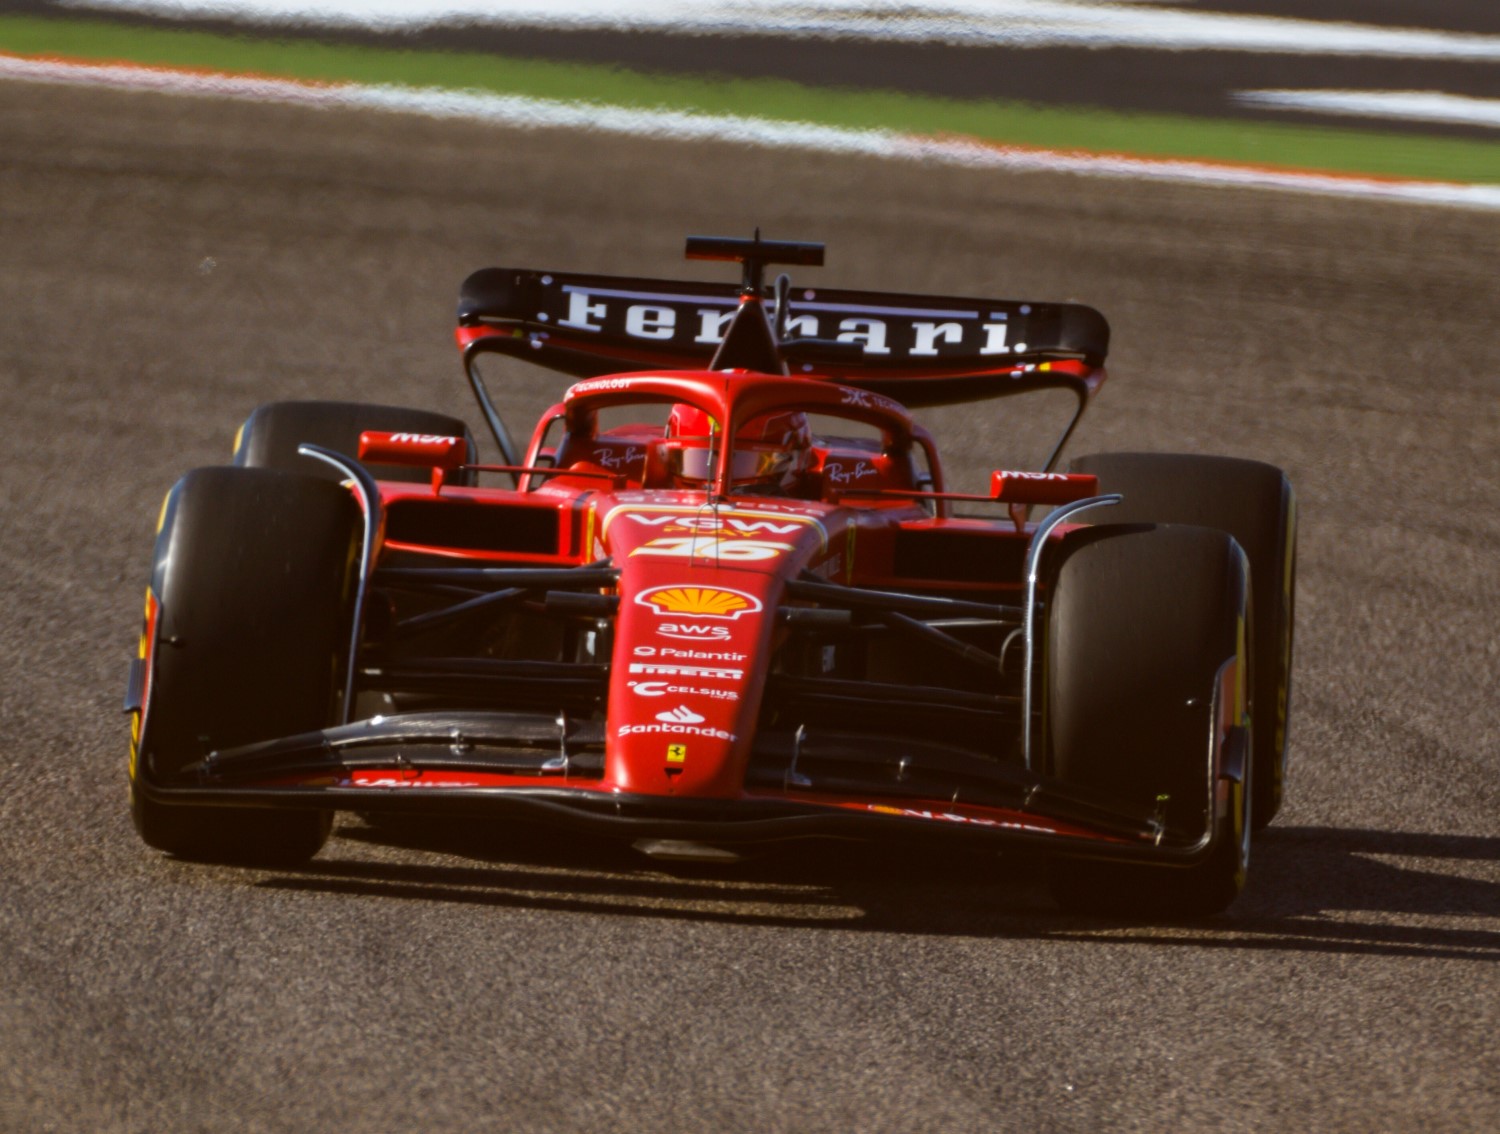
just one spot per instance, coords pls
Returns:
(771, 452)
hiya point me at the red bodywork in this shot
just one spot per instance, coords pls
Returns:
(697, 615)
(701, 576)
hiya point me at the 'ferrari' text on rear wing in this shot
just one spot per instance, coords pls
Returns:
(931, 345)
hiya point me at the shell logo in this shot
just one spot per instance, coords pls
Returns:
(699, 602)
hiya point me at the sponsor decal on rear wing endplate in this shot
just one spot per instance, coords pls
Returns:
(922, 350)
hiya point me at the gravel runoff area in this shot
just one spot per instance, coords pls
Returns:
(167, 263)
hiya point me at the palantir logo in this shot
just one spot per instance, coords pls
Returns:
(680, 715)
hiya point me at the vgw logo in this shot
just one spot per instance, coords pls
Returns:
(730, 525)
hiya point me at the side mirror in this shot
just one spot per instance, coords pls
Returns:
(1042, 487)
(419, 450)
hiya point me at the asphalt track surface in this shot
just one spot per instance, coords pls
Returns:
(167, 263)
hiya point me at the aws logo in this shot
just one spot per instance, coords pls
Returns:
(699, 602)
(693, 631)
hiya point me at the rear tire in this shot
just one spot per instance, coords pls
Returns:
(251, 574)
(1253, 502)
(271, 434)
(1140, 623)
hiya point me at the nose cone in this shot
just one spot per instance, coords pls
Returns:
(684, 692)
(699, 591)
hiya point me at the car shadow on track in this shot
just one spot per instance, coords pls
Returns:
(1313, 889)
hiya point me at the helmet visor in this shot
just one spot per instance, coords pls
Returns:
(746, 464)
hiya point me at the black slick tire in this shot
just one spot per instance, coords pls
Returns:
(1253, 502)
(251, 580)
(1141, 621)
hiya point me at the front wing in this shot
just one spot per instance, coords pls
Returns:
(532, 768)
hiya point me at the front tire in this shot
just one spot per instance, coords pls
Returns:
(1254, 503)
(250, 592)
(1143, 622)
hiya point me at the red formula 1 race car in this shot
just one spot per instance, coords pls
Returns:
(726, 597)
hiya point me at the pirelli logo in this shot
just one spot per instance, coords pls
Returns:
(704, 672)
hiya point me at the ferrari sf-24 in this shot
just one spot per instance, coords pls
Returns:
(725, 598)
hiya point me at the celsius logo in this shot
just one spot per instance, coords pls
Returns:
(662, 688)
(680, 715)
(701, 602)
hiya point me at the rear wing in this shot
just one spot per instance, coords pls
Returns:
(920, 350)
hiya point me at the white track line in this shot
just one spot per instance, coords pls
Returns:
(517, 111)
(1411, 106)
(1010, 23)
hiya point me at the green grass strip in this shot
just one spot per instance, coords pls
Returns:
(1152, 135)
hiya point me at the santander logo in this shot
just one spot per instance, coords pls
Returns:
(680, 715)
